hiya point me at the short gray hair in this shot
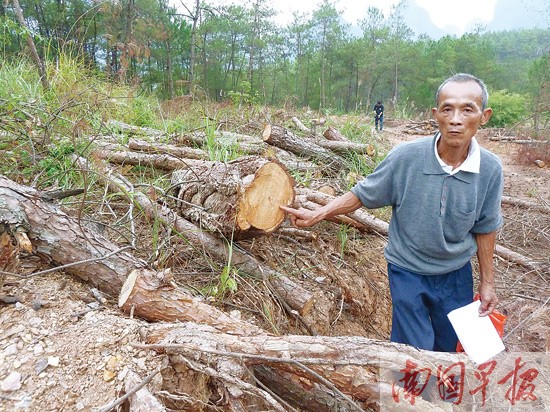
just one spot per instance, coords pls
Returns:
(464, 78)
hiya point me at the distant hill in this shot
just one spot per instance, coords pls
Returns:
(509, 15)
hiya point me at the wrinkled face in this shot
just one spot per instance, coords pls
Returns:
(459, 113)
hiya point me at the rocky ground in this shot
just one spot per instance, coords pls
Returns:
(62, 348)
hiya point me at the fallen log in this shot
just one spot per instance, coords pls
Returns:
(283, 138)
(159, 161)
(55, 235)
(291, 388)
(223, 138)
(62, 239)
(347, 147)
(132, 130)
(334, 135)
(151, 294)
(178, 151)
(300, 125)
(357, 367)
(284, 288)
(360, 216)
(520, 259)
(512, 201)
(116, 154)
(238, 199)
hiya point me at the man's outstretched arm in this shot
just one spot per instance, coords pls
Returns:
(346, 203)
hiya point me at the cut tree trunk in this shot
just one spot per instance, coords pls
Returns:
(63, 240)
(283, 138)
(288, 291)
(334, 135)
(355, 366)
(151, 294)
(300, 125)
(164, 159)
(178, 151)
(347, 147)
(238, 199)
(159, 161)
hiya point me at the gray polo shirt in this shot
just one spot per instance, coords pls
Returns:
(434, 214)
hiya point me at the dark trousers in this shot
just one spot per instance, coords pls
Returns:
(421, 304)
(379, 122)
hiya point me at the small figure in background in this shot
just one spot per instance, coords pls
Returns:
(379, 116)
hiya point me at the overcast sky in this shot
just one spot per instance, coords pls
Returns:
(434, 17)
(452, 14)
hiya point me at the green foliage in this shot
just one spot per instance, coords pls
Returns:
(144, 111)
(508, 108)
(218, 149)
(19, 83)
(405, 109)
(43, 128)
(302, 178)
(238, 51)
(343, 238)
(356, 131)
(227, 281)
(358, 166)
(244, 95)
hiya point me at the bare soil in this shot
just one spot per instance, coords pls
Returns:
(72, 351)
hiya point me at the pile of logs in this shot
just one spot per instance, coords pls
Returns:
(209, 354)
(425, 127)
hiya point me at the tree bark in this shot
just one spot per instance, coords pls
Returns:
(237, 199)
(151, 294)
(507, 200)
(358, 367)
(300, 125)
(281, 137)
(334, 135)
(289, 387)
(159, 161)
(30, 42)
(142, 400)
(178, 151)
(284, 288)
(360, 216)
(347, 147)
(63, 240)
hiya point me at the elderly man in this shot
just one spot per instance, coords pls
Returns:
(445, 194)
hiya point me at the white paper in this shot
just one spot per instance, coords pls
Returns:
(477, 334)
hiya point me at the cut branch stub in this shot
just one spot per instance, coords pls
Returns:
(238, 199)
(152, 295)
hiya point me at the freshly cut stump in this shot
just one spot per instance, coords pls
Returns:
(237, 199)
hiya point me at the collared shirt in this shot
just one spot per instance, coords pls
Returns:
(471, 164)
(435, 215)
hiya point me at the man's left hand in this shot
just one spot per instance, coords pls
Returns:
(488, 298)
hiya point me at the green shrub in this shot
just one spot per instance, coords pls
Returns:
(508, 108)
